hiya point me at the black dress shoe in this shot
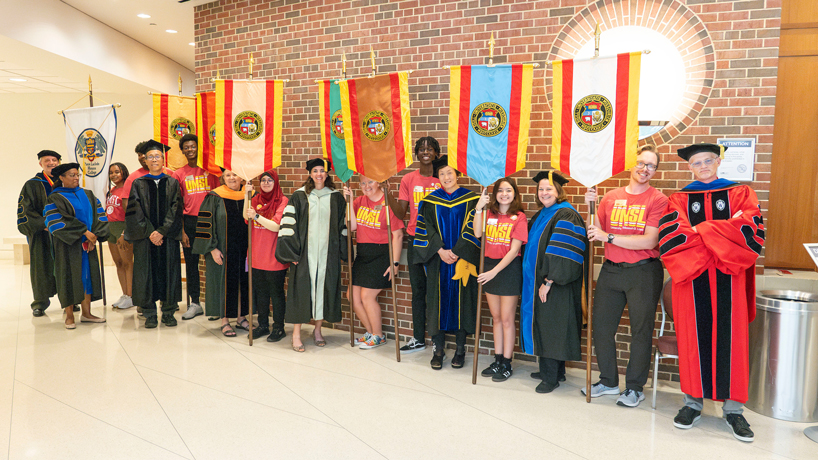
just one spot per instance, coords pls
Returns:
(537, 376)
(151, 322)
(276, 335)
(546, 387)
(76, 308)
(260, 331)
(38, 312)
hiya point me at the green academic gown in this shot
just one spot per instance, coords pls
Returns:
(67, 230)
(447, 221)
(31, 223)
(212, 233)
(157, 273)
(318, 269)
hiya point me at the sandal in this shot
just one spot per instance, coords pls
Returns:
(299, 349)
(319, 343)
(228, 331)
(244, 325)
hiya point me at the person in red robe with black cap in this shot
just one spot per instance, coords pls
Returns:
(710, 239)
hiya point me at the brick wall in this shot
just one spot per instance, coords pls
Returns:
(302, 41)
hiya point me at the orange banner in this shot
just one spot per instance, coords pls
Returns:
(173, 117)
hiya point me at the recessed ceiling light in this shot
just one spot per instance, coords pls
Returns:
(18, 79)
(170, 31)
(192, 44)
(143, 15)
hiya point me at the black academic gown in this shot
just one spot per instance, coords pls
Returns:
(31, 223)
(67, 232)
(292, 247)
(447, 221)
(157, 273)
(561, 257)
(218, 228)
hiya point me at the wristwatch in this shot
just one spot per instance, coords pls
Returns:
(549, 283)
(611, 237)
(396, 263)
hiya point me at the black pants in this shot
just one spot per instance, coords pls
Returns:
(439, 340)
(638, 287)
(551, 370)
(417, 278)
(268, 285)
(236, 281)
(191, 259)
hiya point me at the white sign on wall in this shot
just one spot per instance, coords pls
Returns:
(739, 159)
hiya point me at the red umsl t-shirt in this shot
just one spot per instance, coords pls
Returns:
(501, 229)
(622, 213)
(264, 243)
(413, 188)
(113, 205)
(372, 221)
(195, 182)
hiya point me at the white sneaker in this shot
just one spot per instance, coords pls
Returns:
(630, 398)
(119, 301)
(193, 311)
(126, 304)
(598, 389)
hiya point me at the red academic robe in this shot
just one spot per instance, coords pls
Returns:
(713, 271)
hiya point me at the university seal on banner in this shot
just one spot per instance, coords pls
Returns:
(593, 113)
(337, 124)
(181, 126)
(489, 119)
(376, 125)
(91, 151)
(212, 134)
(248, 125)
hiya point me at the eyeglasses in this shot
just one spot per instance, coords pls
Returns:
(640, 165)
(706, 162)
(267, 181)
(153, 157)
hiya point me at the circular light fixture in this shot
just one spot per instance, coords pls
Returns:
(18, 79)
(192, 44)
(143, 15)
(170, 31)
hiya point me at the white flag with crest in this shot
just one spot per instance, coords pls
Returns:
(90, 135)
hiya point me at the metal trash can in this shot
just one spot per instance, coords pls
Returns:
(784, 356)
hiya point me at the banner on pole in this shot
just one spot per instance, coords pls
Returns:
(378, 134)
(333, 144)
(489, 115)
(90, 134)
(206, 118)
(248, 125)
(595, 129)
(173, 117)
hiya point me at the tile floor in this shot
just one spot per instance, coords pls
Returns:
(119, 391)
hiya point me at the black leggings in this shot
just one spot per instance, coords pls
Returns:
(268, 285)
(439, 340)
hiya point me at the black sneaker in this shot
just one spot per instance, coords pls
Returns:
(412, 346)
(276, 335)
(492, 370)
(168, 320)
(687, 417)
(151, 322)
(546, 387)
(741, 429)
(260, 331)
(504, 374)
(459, 359)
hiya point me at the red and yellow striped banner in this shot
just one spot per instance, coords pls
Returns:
(595, 127)
(377, 129)
(173, 117)
(248, 125)
(206, 119)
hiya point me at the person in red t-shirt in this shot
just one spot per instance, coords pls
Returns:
(121, 250)
(502, 277)
(266, 210)
(372, 269)
(413, 188)
(195, 184)
(628, 222)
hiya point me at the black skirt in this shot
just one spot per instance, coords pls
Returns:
(371, 262)
(509, 282)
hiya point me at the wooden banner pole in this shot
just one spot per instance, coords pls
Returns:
(478, 327)
(589, 298)
(394, 271)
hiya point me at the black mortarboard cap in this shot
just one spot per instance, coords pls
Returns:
(48, 153)
(63, 168)
(691, 150)
(439, 163)
(318, 162)
(551, 176)
(153, 145)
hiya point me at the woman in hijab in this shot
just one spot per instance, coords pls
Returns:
(265, 211)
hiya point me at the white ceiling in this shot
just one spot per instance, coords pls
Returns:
(121, 15)
(37, 81)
